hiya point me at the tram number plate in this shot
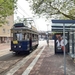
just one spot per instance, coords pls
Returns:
(15, 42)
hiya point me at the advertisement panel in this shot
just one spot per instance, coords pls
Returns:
(59, 43)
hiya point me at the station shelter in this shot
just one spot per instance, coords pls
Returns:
(57, 29)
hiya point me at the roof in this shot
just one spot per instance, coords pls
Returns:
(63, 21)
(21, 26)
(57, 25)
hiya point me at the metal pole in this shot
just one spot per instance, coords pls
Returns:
(47, 35)
(64, 50)
(73, 42)
(47, 31)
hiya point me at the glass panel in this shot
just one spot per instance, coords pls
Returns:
(74, 42)
(18, 36)
(70, 41)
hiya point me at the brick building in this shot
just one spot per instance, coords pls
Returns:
(5, 34)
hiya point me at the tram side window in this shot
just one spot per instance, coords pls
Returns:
(26, 36)
(32, 36)
(35, 37)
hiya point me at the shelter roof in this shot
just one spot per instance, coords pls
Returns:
(57, 25)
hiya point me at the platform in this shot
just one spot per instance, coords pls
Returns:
(51, 64)
(48, 63)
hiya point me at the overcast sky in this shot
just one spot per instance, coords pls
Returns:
(24, 11)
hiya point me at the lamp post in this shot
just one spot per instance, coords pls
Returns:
(47, 27)
(47, 35)
(47, 30)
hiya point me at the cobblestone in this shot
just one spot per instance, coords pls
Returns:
(51, 64)
(4, 46)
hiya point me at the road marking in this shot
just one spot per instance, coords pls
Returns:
(29, 68)
(20, 64)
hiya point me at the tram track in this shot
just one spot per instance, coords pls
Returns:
(8, 60)
(26, 60)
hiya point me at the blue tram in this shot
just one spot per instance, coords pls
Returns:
(24, 39)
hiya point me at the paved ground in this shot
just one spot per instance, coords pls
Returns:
(4, 49)
(4, 46)
(49, 64)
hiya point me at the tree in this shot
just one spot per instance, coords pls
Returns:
(6, 9)
(50, 8)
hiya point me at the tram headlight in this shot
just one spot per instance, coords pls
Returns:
(19, 46)
(14, 46)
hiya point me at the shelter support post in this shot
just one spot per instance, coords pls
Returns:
(73, 42)
(64, 50)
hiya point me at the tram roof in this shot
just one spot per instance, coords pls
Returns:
(21, 26)
(57, 25)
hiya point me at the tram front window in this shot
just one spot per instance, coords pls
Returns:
(18, 36)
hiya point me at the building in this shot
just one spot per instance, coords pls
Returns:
(5, 34)
(44, 34)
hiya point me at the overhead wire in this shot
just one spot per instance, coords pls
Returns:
(26, 13)
(20, 13)
(23, 10)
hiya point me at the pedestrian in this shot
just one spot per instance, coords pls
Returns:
(48, 41)
(64, 45)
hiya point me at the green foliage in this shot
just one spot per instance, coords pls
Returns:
(72, 11)
(49, 8)
(6, 9)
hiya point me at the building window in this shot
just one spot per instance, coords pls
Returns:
(8, 31)
(3, 30)
(8, 23)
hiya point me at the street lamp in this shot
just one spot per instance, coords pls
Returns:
(47, 35)
(47, 27)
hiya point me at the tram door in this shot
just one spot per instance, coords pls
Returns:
(58, 39)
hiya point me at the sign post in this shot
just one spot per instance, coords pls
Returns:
(64, 50)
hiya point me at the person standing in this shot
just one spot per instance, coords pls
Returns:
(62, 44)
(48, 41)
